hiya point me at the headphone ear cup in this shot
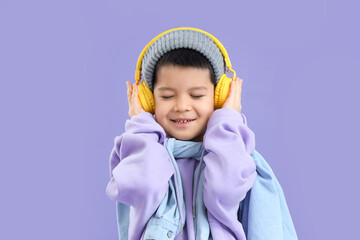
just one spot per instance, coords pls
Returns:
(222, 91)
(146, 98)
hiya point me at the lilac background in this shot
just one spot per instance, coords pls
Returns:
(63, 67)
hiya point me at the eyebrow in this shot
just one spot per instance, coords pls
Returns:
(193, 88)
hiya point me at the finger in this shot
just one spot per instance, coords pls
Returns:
(240, 86)
(236, 88)
(135, 90)
(135, 98)
(129, 94)
(240, 81)
(232, 89)
(238, 91)
(129, 90)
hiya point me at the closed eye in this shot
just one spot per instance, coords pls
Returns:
(197, 96)
(166, 97)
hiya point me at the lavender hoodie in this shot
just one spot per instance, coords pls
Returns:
(140, 169)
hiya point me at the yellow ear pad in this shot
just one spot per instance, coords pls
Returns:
(146, 98)
(222, 91)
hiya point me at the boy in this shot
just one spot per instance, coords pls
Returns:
(185, 170)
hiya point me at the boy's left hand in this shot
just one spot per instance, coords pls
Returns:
(233, 101)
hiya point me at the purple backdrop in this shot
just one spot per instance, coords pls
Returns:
(63, 67)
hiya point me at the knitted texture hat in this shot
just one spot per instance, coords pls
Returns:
(184, 38)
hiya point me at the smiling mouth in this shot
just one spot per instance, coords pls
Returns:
(182, 120)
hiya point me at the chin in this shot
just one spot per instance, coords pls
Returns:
(189, 138)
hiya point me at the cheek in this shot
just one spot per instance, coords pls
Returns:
(160, 111)
(211, 103)
(209, 112)
(207, 108)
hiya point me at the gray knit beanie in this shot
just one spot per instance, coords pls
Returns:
(182, 38)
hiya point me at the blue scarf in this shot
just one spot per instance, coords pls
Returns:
(263, 213)
(169, 218)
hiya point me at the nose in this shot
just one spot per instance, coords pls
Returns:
(182, 104)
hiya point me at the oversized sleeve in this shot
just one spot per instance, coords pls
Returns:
(230, 171)
(140, 169)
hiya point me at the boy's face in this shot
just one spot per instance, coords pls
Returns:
(184, 101)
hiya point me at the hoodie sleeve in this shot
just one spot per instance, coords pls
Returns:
(140, 169)
(230, 171)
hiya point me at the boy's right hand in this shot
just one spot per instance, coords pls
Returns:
(133, 100)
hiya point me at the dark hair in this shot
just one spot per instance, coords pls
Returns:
(187, 58)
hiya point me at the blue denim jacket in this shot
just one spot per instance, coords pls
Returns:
(263, 213)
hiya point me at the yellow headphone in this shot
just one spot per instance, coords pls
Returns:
(146, 97)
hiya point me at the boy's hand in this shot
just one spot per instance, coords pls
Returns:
(233, 101)
(133, 100)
